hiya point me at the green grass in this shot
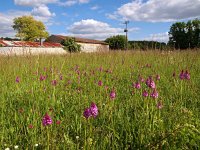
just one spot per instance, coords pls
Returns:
(130, 121)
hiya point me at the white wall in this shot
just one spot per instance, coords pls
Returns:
(88, 48)
(30, 50)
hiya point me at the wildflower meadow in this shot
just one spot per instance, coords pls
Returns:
(116, 100)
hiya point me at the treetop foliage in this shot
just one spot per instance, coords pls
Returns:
(29, 29)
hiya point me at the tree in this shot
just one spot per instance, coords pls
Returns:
(185, 35)
(70, 45)
(116, 42)
(178, 35)
(196, 32)
(29, 29)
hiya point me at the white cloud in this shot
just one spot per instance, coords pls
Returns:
(94, 29)
(67, 3)
(95, 7)
(72, 2)
(6, 22)
(84, 1)
(42, 11)
(113, 16)
(160, 37)
(33, 2)
(158, 10)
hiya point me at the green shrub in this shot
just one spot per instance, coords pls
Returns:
(70, 45)
(116, 42)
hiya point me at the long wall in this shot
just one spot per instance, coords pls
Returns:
(30, 51)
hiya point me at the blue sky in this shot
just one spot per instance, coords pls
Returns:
(100, 19)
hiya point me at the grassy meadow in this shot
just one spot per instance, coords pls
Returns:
(130, 113)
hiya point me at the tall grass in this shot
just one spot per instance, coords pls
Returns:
(130, 121)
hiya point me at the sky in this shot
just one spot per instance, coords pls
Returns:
(100, 19)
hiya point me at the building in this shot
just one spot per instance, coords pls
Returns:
(26, 47)
(87, 45)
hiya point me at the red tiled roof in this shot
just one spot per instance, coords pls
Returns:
(82, 40)
(3, 43)
(29, 44)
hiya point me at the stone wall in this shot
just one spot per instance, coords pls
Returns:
(30, 50)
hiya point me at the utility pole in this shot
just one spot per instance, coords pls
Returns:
(126, 30)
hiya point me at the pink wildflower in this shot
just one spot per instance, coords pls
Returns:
(61, 77)
(145, 93)
(47, 120)
(154, 94)
(148, 81)
(54, 82)
(42, 77)
(137, 85)
(17, 79)
(30, 126)
(152, 84)
(93, 109)
(182, 75)
(141, 79)
(159, 105)
(187, 75)
(112, 94)
(87, 113)
(157, 77)
(100, 83)
(58, 122)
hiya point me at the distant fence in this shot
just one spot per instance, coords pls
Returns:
(30, 50)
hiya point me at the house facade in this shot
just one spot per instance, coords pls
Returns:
(87, 45)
